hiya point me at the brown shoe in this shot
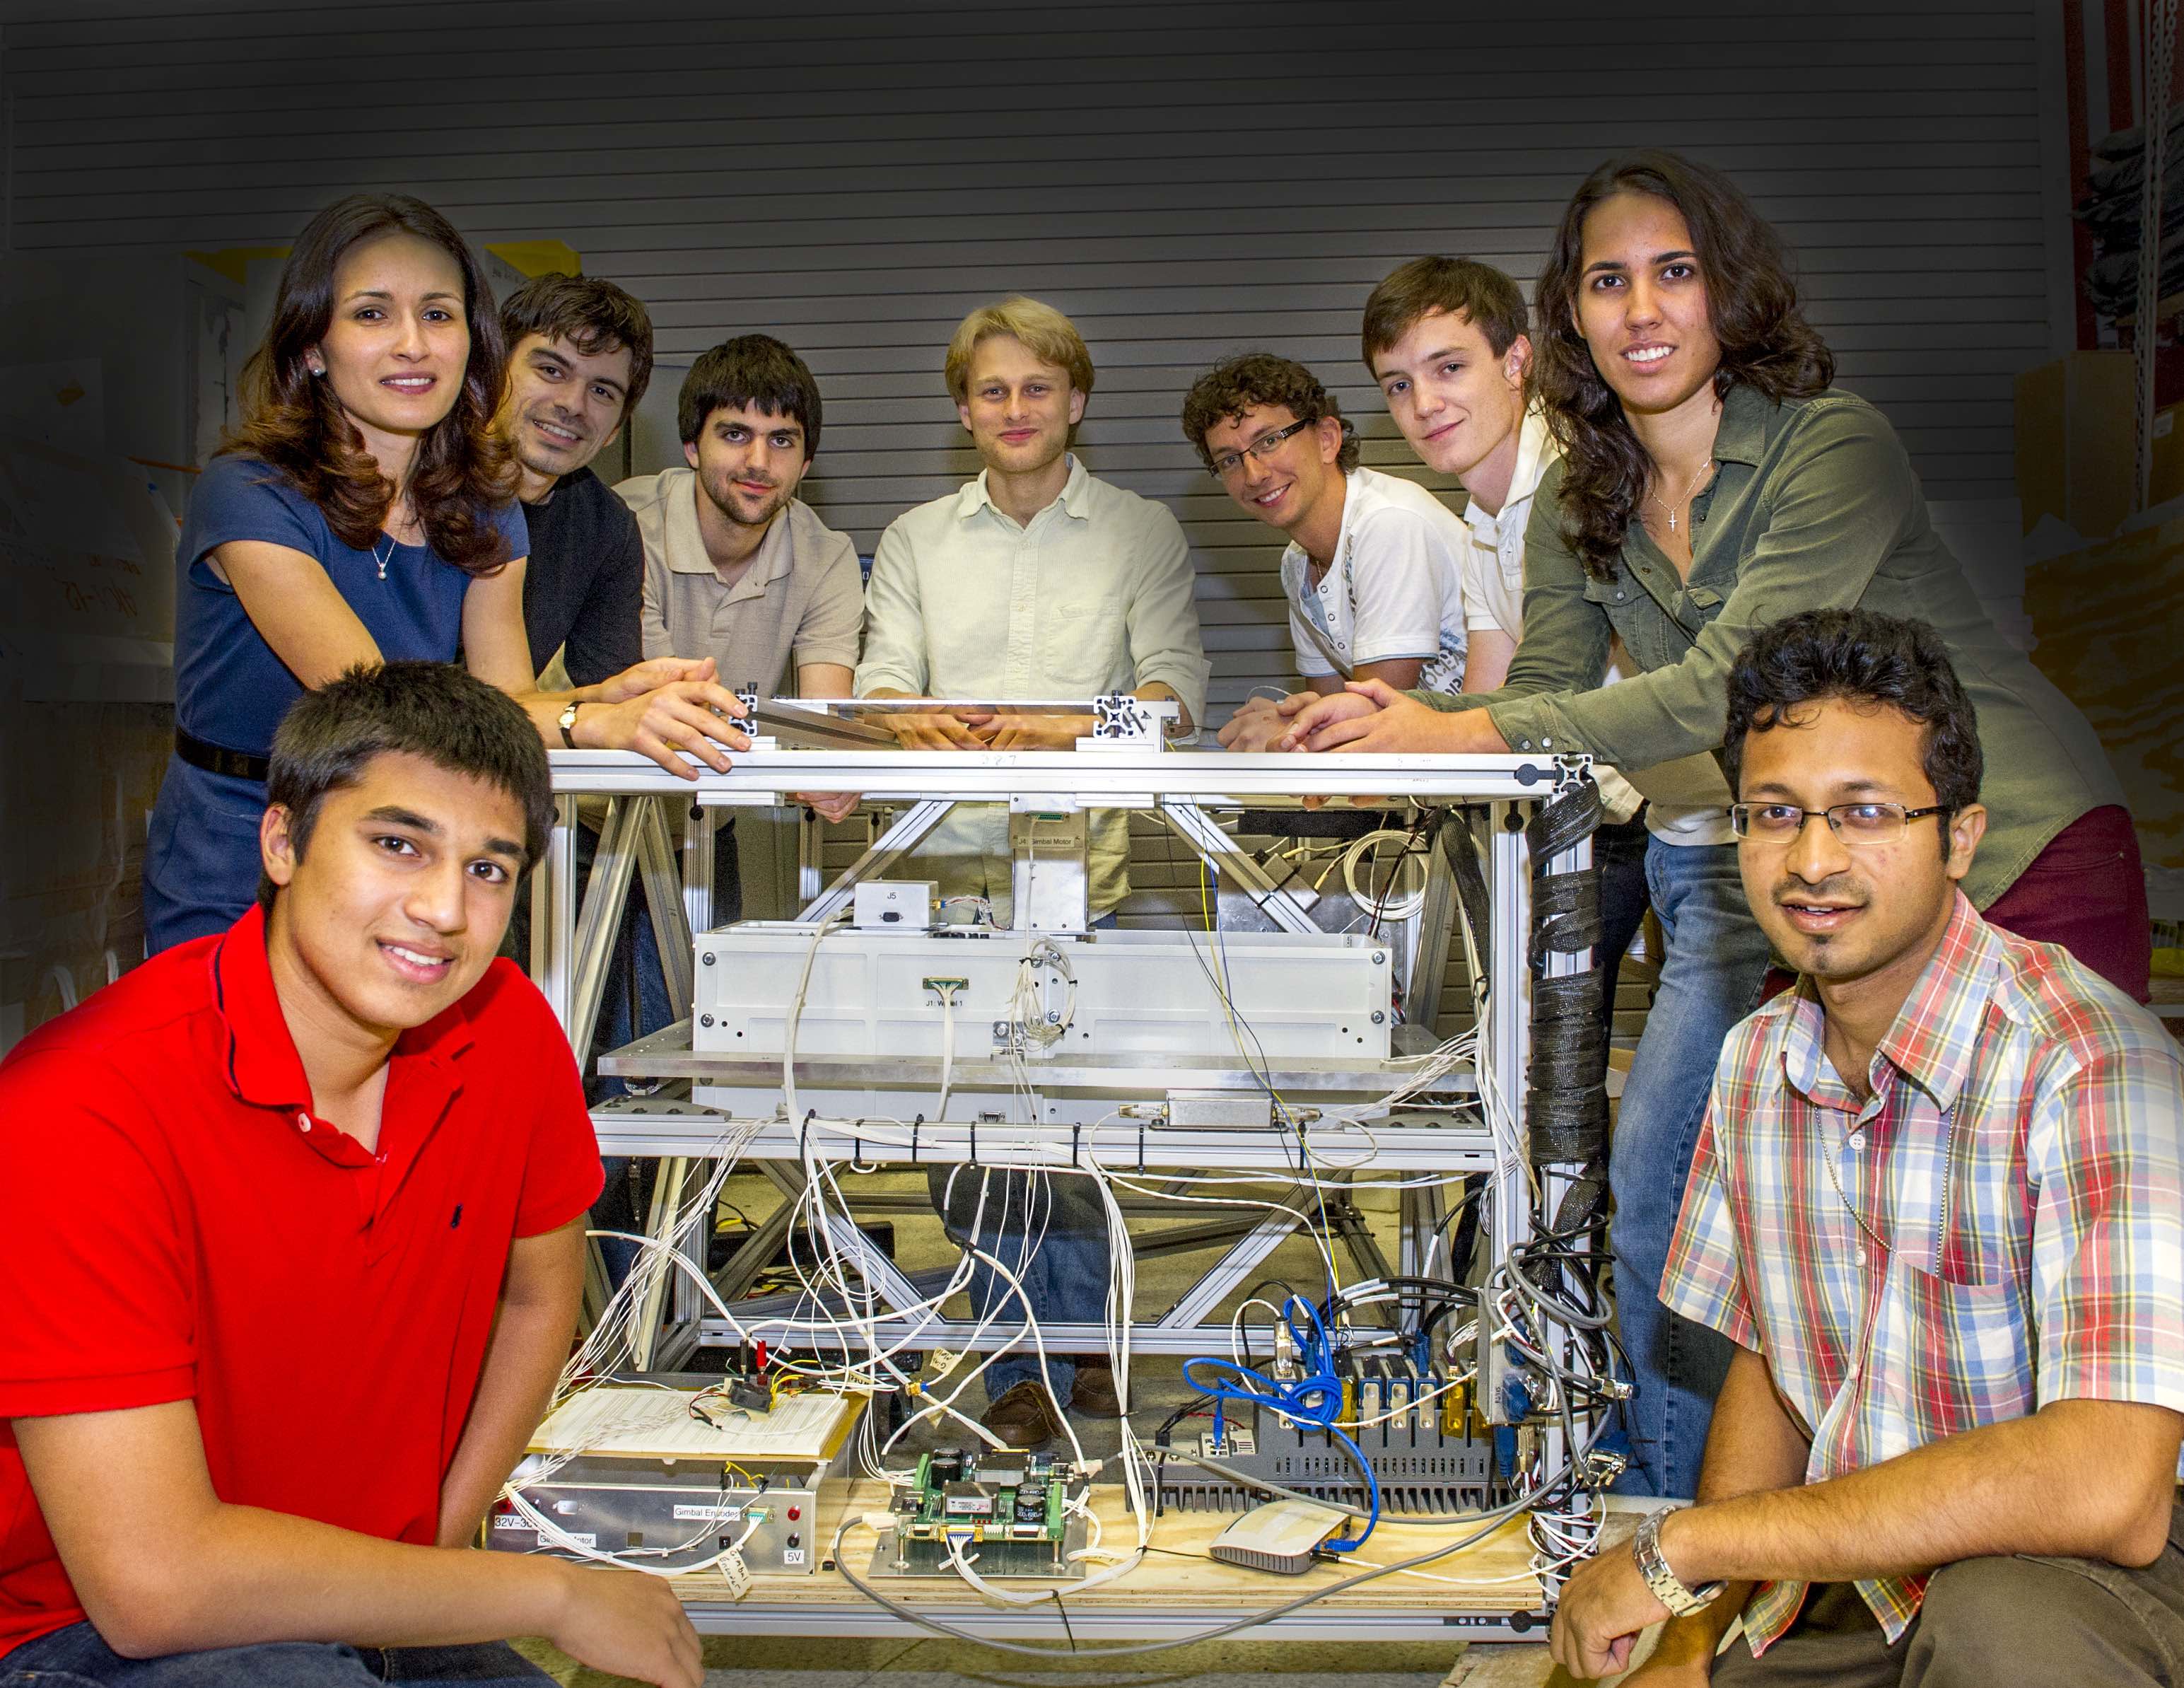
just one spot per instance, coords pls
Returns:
(1024, 1416)
(1093, 1394)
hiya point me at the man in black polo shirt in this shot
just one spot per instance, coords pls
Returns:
(579, 355)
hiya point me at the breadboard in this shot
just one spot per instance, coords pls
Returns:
(619, 1421)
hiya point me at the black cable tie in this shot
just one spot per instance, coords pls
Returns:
(914, 1126)
(1076, 1131)
(1141, 1145)
(974, 1139)
(804, 1135)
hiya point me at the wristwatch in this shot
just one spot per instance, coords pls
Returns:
(1663, 1583)
(569, 722)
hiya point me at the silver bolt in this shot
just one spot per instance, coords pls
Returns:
(709, 958)
(1380, 956)
(1054, 1017)
(705, 1019)
(1378, 1017)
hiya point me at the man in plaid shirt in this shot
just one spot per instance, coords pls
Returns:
(1938, 1206)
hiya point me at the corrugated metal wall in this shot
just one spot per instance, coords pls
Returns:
(1185, 179)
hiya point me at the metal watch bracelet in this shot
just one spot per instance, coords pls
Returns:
(1664, 1584)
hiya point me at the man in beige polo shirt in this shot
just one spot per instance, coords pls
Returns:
(737, 567)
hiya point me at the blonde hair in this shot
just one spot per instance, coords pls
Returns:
(1044, 332)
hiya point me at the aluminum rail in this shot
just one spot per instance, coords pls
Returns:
(633, 1125)
(1121, 776)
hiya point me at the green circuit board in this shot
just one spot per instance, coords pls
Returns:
(1012, 1510)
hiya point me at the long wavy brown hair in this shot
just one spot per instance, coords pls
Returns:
(292, 421)
(1751, 299)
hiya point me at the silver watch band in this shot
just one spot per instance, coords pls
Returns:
(1662, 1583)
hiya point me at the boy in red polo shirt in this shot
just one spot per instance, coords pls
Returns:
(296, 1222)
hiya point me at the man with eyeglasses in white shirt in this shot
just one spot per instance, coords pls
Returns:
(1374, 568)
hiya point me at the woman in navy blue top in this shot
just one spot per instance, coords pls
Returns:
(362, 513)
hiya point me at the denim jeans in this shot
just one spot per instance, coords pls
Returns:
(1713, 965)
(635, 1004)
(75, 1657)
(1051, 1231)
(1618, 853)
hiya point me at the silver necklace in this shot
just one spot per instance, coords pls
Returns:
(1654, 497)
(382, 558)
(1828, 1160)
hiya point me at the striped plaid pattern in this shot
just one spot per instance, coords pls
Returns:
(2020, 1173)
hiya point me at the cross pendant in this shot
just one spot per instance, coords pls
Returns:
(1672, 526)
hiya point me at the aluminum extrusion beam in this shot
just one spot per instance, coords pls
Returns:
(1124, 776)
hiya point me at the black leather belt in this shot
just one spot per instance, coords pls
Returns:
(218, 758)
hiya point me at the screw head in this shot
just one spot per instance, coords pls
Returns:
(1378, 1017)
(709, 958)
(705, 1019)
(1379, 957)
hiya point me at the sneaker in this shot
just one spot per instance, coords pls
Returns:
(1025, 1416)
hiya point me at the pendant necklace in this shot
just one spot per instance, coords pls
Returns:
(1653, 498)
(382, 558)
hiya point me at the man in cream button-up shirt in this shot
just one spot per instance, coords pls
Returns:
(1035, 580)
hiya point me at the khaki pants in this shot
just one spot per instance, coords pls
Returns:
(2020, 1622)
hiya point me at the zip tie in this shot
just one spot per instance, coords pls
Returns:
(914, 1127)
(1076, 1130)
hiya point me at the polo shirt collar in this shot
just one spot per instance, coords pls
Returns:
(1742, 436)
(685, 544)
(1076, 498)
(262, 1066)
(1534, 442)
(1354, 483)
(1936, 1031)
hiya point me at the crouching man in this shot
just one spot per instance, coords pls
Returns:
(1937, 1206)
(295, 1218)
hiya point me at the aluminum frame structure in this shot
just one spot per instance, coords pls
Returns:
(572, 942)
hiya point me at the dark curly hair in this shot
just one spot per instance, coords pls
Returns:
(1865, 658)
(293, 424)
(1229, 389)
(1752, 301)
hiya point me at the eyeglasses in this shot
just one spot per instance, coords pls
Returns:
(1855, 823)
(1262, 448)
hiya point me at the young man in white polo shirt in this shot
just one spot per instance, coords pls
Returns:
(1374, 568)
(1034, 581)
(1446, 339)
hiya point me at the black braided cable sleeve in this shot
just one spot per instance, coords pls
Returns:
(1566, 1083)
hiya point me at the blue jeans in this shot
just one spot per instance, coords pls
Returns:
(1051, 1231)
(75, 1657)
(1714, 963)
(200, 855)
(635, 1004)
